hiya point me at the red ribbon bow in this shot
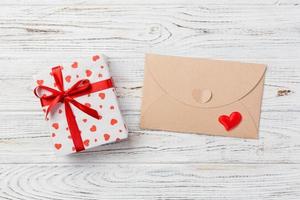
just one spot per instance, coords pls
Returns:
(81, 88)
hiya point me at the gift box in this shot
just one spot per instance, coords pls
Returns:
(80, 105)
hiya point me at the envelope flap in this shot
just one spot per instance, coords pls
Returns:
(203, 82)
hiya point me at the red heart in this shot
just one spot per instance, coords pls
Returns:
(55, 125)
(87, 104)
(106, 136)
(95, 58)
(113, 121)
(229, 122)
(84, 120)
(40, 82)
(88, 72)
(102, 95)
(93, 128)
(86, 143)
(75, 64)
(59, 111)
(68, 78)
(57, 146)
(112, 107)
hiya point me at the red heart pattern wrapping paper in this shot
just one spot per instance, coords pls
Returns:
(94, 132)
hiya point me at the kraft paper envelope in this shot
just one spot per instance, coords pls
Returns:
(202, 96)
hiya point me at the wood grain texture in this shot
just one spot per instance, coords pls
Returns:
(151, 164)
(145, 181)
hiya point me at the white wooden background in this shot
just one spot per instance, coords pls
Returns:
(150, 165)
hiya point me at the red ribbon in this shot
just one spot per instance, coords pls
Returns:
(81, 88)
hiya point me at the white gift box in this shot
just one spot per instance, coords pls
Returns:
(109, 128)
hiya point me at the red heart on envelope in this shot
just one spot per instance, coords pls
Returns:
(229, 122)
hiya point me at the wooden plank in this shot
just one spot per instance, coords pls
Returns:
(24, 138)
(184, 29)
(32, 42)
(153, 2)
(144, 181)
(160, 2)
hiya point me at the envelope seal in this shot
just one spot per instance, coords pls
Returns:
(202, 95)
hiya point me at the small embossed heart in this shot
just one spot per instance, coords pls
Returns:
(202, 95)
(84, 120)
(229, 122)
(57, 146)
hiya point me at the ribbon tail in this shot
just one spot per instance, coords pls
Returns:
(85, 109)
(73, 127)
(53, 103)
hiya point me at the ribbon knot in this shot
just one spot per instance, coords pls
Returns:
(80, 88)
